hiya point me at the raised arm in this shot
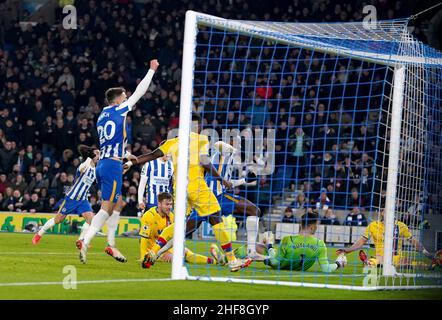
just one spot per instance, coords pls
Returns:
(420, 248)
(141, 190)
(157, 153)
(142, 86)
(325, 265)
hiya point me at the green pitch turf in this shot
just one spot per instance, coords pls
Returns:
(37, 272)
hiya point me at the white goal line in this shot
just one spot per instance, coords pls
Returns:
(48, 283)
(312, 285)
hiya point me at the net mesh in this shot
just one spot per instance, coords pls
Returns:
(309, 108)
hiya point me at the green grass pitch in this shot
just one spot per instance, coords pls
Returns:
(36, 272)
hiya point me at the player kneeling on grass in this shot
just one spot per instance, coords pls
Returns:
(75, 200)
(375, 230)
(152, 223)
(300, 252)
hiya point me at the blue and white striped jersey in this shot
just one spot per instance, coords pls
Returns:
(111, 124)
(156, 177)
(223, 163)
(111, 127)
(84, 178)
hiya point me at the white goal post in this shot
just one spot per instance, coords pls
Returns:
(406, 62)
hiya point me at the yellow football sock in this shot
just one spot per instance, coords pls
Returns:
(223, 237)
(196, 258)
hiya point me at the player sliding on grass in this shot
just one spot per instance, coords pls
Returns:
(111, 127)
(199, 195)
(300, 252)
(375, 230)
(153, 222)
(75, 201)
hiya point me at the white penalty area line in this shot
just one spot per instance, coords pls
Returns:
(48, 283)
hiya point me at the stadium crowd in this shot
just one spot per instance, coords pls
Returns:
(52, 84)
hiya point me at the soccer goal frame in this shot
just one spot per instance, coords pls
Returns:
(397, 62)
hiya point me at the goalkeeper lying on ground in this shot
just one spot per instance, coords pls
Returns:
(300, 252)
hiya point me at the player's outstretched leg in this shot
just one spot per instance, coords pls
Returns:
(96, 225)
(217, 255)
(223, 238)
(112, 226)
(244, 206)
(49, 224)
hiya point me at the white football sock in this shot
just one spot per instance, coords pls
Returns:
(112, 226)
(48, 225)
(83, 230)
(97, 223)
(252, 226)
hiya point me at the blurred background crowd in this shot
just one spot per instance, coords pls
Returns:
(52, 84)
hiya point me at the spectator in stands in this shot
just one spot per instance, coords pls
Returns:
(95, 204)
(315, 189)
(14, 202)
(20, 184)
(131, 203)
(298, 143)
(38, 182)
(60, 184)
(257, 112)
(34, 205)
(355, 218)
(355, 200)
(323, 202)
(3, 183)
(8, 157)
(46, 73)
(288, 216)
(330, 218)
(300, 204)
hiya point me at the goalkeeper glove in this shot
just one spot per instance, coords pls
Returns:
(341, 261)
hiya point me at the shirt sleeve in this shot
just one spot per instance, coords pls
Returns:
(142, 188)
(405, 232)
(150, 225)
(138, 93)
(86, 164)
(323, 259)
(166, 146)
(145, 229)
(145, 169)
(367, 232)
(203, 145)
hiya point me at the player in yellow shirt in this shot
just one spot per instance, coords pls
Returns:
(153, 222)
(375, 230)
(199, 196)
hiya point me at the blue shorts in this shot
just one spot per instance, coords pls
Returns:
(227, 203)
(68, 206)
(110, 179)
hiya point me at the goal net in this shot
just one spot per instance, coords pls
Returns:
(338, 120)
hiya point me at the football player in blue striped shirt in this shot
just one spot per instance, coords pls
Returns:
(76, 199)
(156, 177)
(111, 127)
